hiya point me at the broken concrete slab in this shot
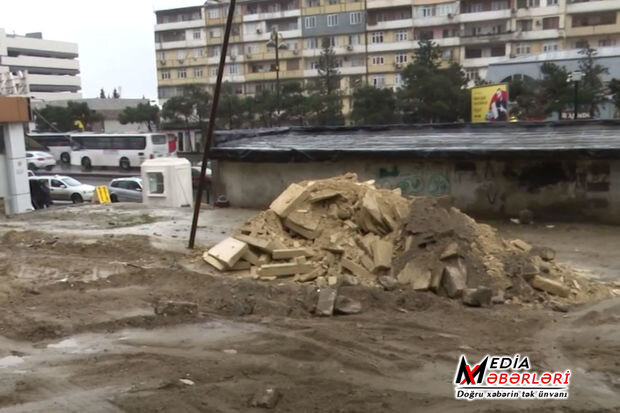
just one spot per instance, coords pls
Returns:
(356, 269)
(326, 301)
(176, 308)
(545, 253)
(258, 243)
(367, 262)
(250, 257)
(305, 224)
(288, 200)
(284, 254)
(229, 251)
(388, 282)
(451, 251)
(522, 245)
(551, 286)
(346, 305)
(312, 275)
(382, 252)
(348, 279)
(266, 398)
(477, 297)
(240, 266)
(322, 195)
(416, 275)
(214, 262)
(453, 281)
(285, 269)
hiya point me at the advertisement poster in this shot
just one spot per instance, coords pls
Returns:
(489, 103)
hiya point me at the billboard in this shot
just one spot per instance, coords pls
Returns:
(489, 103)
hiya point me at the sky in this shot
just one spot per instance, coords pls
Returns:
(115, 38)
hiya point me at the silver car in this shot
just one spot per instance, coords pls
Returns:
(125, 190)
(65, 188)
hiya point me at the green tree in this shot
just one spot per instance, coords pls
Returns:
(528, 104)
(592, 89)
(64, 119)
(102, 94)
(325, 103)
(142, 113)
(190, 107)
(614, 89)
(554, 91)
(228, 110)
(372, 106)
(294, 103)
(431, 93)
(116, 94)
(265, 106)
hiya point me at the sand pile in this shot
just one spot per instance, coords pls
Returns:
(340, 231)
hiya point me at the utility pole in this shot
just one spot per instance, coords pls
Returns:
(575, 77)
(275, 42)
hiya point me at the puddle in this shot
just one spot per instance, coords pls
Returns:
(69, 343)
(10, 361)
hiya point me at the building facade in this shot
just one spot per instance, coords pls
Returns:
(52, 67)
(373, 39)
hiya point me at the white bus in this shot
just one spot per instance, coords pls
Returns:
(58, 144)
(122, 150)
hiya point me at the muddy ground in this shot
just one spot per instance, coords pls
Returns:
(78, 332)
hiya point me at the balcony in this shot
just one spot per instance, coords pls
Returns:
(392, 46)
(54, 96)
(483, 61)
(334, 8)
(186, 62)
(593, 6)
(392, 24)
(352, 70)
(45, 83)
(228, 78)
(485, 16)
(538, 35)
(538, 12)
(188, 24)
(41, 64)
(266, 76)
(380, 4)
(180, 44)
(592, 30)
(42, 47)
(271, 15)
(443, 42)
(436, 21)
(486, 38)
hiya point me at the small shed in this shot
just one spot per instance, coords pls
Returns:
(167, 182)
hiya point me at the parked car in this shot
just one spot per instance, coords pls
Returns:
(40, 160)
(125, 190)
(65, 188)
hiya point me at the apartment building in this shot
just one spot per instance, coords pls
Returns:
(52, 66)
(372, 39)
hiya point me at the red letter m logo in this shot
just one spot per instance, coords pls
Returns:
(471, 375)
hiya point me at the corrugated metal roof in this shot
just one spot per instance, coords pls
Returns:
(590, 139)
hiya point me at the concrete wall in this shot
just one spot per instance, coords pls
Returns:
(567, 190)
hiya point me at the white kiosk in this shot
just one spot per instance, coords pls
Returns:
(167, 182)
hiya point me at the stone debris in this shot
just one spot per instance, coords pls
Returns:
(266, 398)
(526, 217)
(340, 232)
(346, 305)
(176, 308)
(326, 301)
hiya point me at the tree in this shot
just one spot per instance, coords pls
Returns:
(592, 90)
(614, 89)
(525, 94)
(102, 94)
(142, 113)
(228, 110)
(65, 119)
(265, 106)
(555, 92)
(294, 103)
(431, 93)
(372, 106)
(116, 94)
(325, 103)
(191, 106)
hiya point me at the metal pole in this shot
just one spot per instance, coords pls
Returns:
(277, 74)
(575, 99)
(216, 99)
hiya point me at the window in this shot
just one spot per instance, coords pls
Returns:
(593, 19)
(522, 49)
(333, 41)
(159, 139)
(524, 25)
(402, 36)
(332, 20)
(251, 49)
(181, 54)
(156, 182)
(292, 64)
(313, 3)
(582, 44)
(181, 74)
(447, 54)
(473, 53)
(552, 2)
(355, 39)
(549, 23)
(310, 22)
(215, 32)
(523, 4)
(355, 17)
(472, 74)
(398, 79)
(424, 34)
(165, 75)
(312, 43)
(162, 55)
(550, 47)
(199, 52)
(427, 11)
(499, 5)
(449, 33)
(378, 60)
(198, 72)
(497, 51)
(606, 42)
(444, 9)
(401, 58)
(377, 37)
(213, 71)
(234, 69)
(333, 2)
(57, 184)
(214, 13)
(378, 81)
(197, 34)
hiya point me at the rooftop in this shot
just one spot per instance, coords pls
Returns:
(453, 141)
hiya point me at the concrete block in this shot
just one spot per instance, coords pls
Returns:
(522, 245)
(250, 257)
(477, 297)
(326, 301)
(367, 262)
(284, 254)
(417, 276)
(546, 253)
(282, 270)
(229, 251)
(550, 286)
(266, 398)
(356, 269)
(451, 251)
(240, 266)
(348, 279)
(453, 281)
(322, 195)
(258, 243)
(346, 305)
(214, 262)
(304, 224)
(288, 200)
(388, 282)
(382, 252)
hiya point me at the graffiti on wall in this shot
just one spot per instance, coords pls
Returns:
(422, 182)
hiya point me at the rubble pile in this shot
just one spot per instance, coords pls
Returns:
(339, 231)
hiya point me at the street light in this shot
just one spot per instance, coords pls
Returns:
(575, 77)
(275, 42)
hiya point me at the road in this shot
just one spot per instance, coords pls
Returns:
(99, 176)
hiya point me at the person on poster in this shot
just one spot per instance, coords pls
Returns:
(498, 107)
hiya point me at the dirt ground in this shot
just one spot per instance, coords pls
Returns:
(78, 332)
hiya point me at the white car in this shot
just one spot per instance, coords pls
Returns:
(65, 188)
(40, 160)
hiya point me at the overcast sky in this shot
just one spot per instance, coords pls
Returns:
(115, 38)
